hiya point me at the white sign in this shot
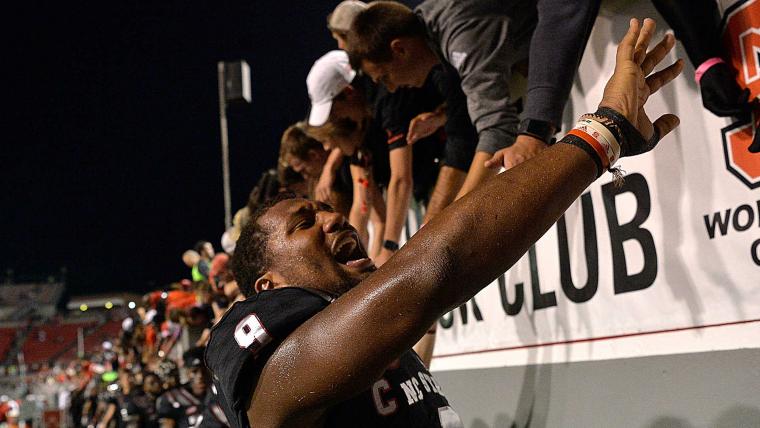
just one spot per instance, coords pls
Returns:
(667, 263)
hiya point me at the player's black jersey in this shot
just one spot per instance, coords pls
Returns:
(241, 342)
(137, 410)
(406, 396)
(189, 411)
(213, 416)
(180, 405)
(250, 331)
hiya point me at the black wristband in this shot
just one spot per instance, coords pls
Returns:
(390, 245)
(579, 142)
(632, 142)
(540, 129)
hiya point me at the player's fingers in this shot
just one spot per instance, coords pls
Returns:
(657, 54)
(642, 42)
(666, 123)
(664, 76)
(628, 44)
(643, 92)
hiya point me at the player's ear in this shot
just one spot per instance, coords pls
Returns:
(265, 282)
(399, 47)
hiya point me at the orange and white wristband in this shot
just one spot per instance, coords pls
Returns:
(602, 142)
(604, 136)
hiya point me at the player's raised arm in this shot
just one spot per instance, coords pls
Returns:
(343, 349)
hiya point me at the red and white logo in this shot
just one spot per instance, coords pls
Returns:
(741, 37)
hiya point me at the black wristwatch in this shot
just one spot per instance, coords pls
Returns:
(390, 245)
(540, 129)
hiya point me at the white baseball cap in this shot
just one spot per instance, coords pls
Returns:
(327, 78)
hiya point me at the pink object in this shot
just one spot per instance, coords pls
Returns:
(702, 69)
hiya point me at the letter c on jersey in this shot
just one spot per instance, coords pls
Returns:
(384, 408)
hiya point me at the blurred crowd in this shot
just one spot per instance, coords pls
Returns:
(152, 374)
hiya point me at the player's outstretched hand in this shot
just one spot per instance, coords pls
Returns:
(633, 82)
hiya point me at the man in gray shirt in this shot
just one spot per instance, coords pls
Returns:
(482, 40)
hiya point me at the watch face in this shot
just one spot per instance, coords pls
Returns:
(536, 128)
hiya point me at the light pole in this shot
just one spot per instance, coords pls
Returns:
(225, 146)
(234, 85)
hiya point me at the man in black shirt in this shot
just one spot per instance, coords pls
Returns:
(482, 41)
(143, 402)
(191, 404)
(132, 406)
(323, 338)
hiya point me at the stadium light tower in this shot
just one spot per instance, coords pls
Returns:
(234, 85)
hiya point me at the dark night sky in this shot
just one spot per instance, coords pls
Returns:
(111, 162)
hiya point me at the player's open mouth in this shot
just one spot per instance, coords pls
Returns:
(349, 252)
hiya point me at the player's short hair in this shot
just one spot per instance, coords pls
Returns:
(374, 28)
(296, 142)
(251, 259)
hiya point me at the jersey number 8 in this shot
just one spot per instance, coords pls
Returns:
(251, 334)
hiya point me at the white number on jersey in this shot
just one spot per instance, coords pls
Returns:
(251, 334)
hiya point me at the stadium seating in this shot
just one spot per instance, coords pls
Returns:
(94, 338)
(47, 341)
